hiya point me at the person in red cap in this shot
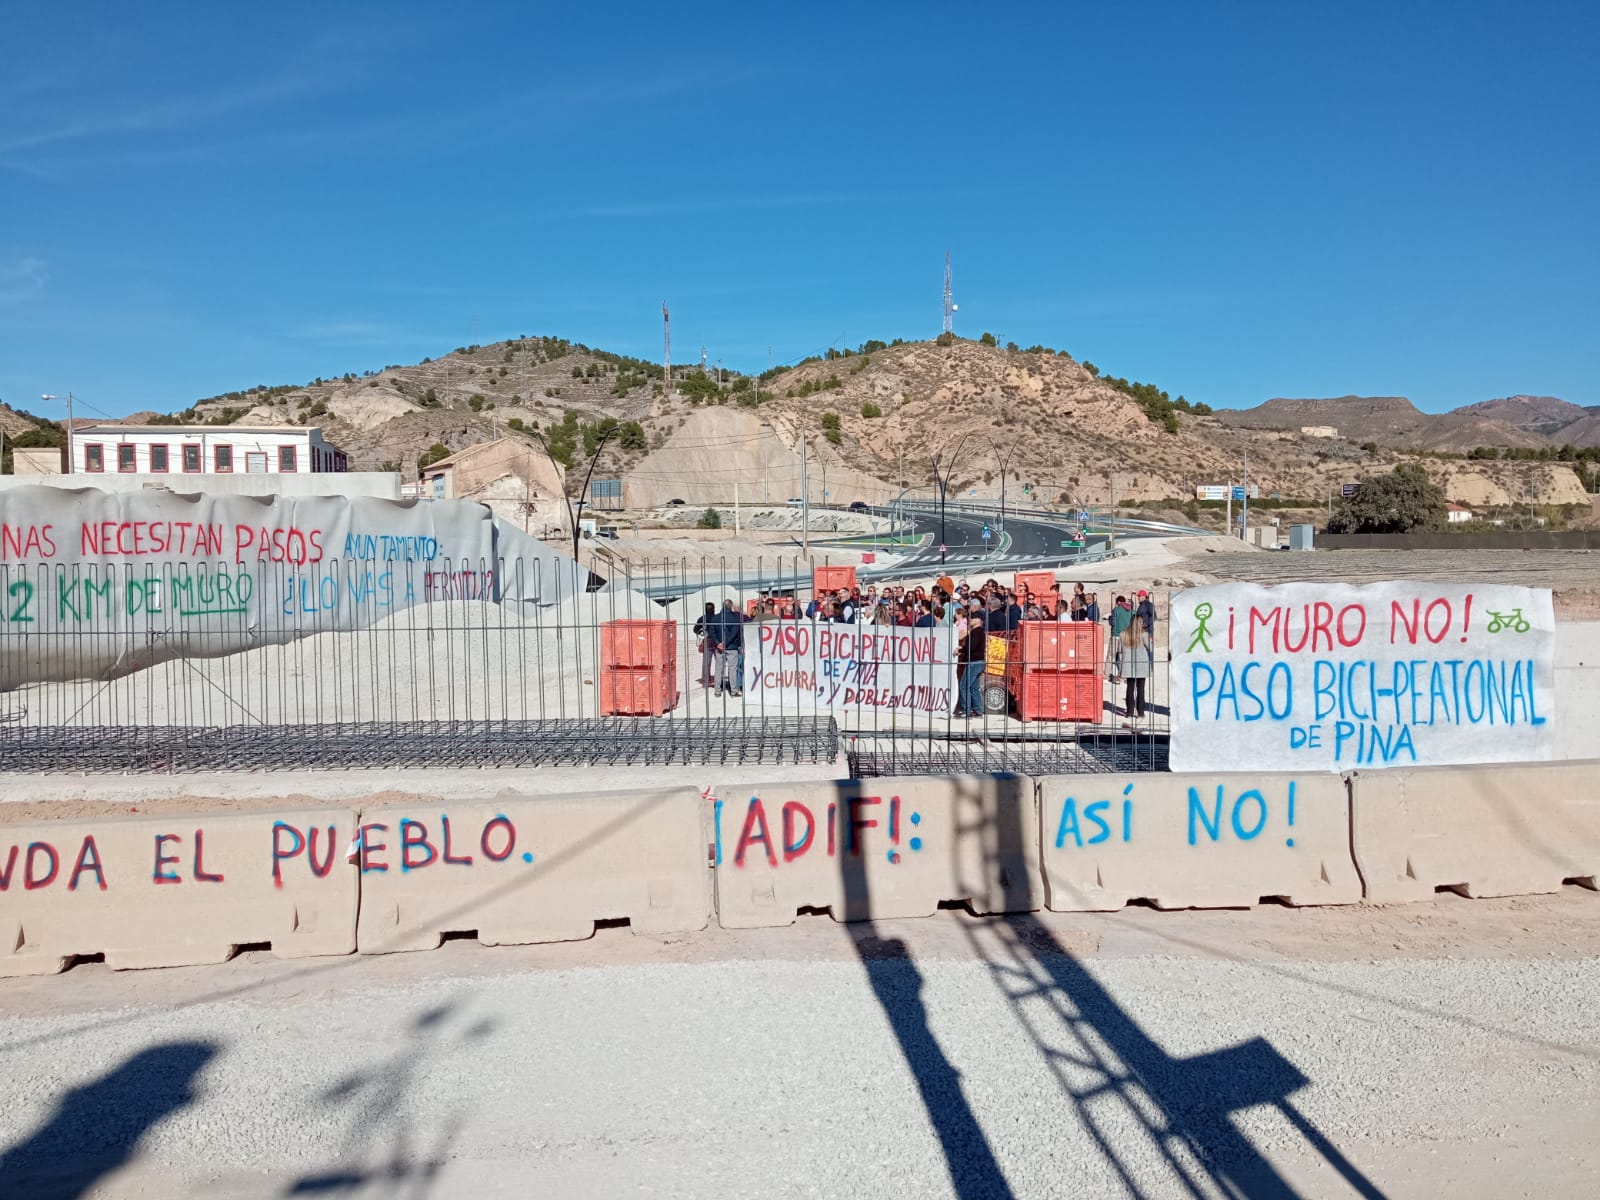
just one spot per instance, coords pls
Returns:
(1145, 613)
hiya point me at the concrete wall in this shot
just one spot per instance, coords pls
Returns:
(170, 890)
(379, 485)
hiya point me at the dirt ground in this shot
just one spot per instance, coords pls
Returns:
(1573, 575)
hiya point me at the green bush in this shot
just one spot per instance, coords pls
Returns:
(515, 424)
(989, 339)
(475, 402)
(869, 409)
(710, 519)
(432, 455)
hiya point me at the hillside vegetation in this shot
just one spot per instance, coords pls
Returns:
(877, 415)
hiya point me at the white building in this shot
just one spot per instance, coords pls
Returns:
(203, 450)
(1457, 514)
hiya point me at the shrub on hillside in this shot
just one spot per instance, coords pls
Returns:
(869, 409)
(710, 519)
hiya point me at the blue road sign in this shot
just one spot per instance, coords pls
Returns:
(1238, 493)
(986, 533)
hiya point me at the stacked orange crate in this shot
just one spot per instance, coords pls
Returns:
(638, 668)
(1057, 673)
(831, 579)
(1039, 584)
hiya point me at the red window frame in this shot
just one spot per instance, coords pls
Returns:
(133, 458)
(216, 458)
(89, 463)
(288, 460)
(199, 458)
(166, 461)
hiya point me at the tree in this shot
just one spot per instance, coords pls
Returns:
(475, 402)
(430, 399)
(432, 455)
(631, 436)
(515, 425)
(989, 339)
(1400, 502)
(830, 427)
(710, 519)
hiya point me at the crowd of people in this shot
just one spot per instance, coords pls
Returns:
(973, 613)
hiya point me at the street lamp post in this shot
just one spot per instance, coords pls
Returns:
(1005, 462)
(943, 480)
(71, 466)
(572, 513)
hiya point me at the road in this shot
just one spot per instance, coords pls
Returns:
(1439, 1049)
(968, 552)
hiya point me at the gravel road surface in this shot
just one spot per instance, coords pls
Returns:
(1444, 1049)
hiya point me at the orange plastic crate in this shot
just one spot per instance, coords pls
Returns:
(1062, 646)
(1058, 695)
(1037, 582)
(637, 693)
(639, 644)
(831, 579)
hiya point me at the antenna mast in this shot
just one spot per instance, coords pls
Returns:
(949, 302)
(666, 345)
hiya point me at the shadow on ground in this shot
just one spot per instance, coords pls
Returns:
(96, 1128)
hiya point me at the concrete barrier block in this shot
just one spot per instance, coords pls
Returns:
(1195, 841)
(1481, 831)
(873, 849)
(535, 869)
(176, 891)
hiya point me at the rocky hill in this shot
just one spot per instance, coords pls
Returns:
(865, 424)
(1516, 422)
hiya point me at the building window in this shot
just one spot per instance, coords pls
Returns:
(286, 458)
(222, 461)
(94, 456)
(127, 458)
(191, 458)
(316, 459)
(158, 460)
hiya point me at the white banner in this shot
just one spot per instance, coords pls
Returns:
(1312, 676)
(806, 664)
(136, 578)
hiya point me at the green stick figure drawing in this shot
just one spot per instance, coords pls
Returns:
(1202, 614)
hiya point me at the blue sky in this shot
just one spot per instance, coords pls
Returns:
(1235, 201)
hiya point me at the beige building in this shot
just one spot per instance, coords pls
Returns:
(38, 460)
(468, 472)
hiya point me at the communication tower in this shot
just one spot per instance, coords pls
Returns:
(949, 302)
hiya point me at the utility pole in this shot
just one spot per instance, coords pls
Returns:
(805, 501)
(1245, 521)
(1111, 522)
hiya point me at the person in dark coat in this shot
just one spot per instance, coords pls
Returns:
(726, 633)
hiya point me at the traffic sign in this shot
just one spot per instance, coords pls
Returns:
(987, 533)
(942, 547)
(1346, 490)
(1238, 492)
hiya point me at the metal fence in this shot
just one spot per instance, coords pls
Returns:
(187, 666)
